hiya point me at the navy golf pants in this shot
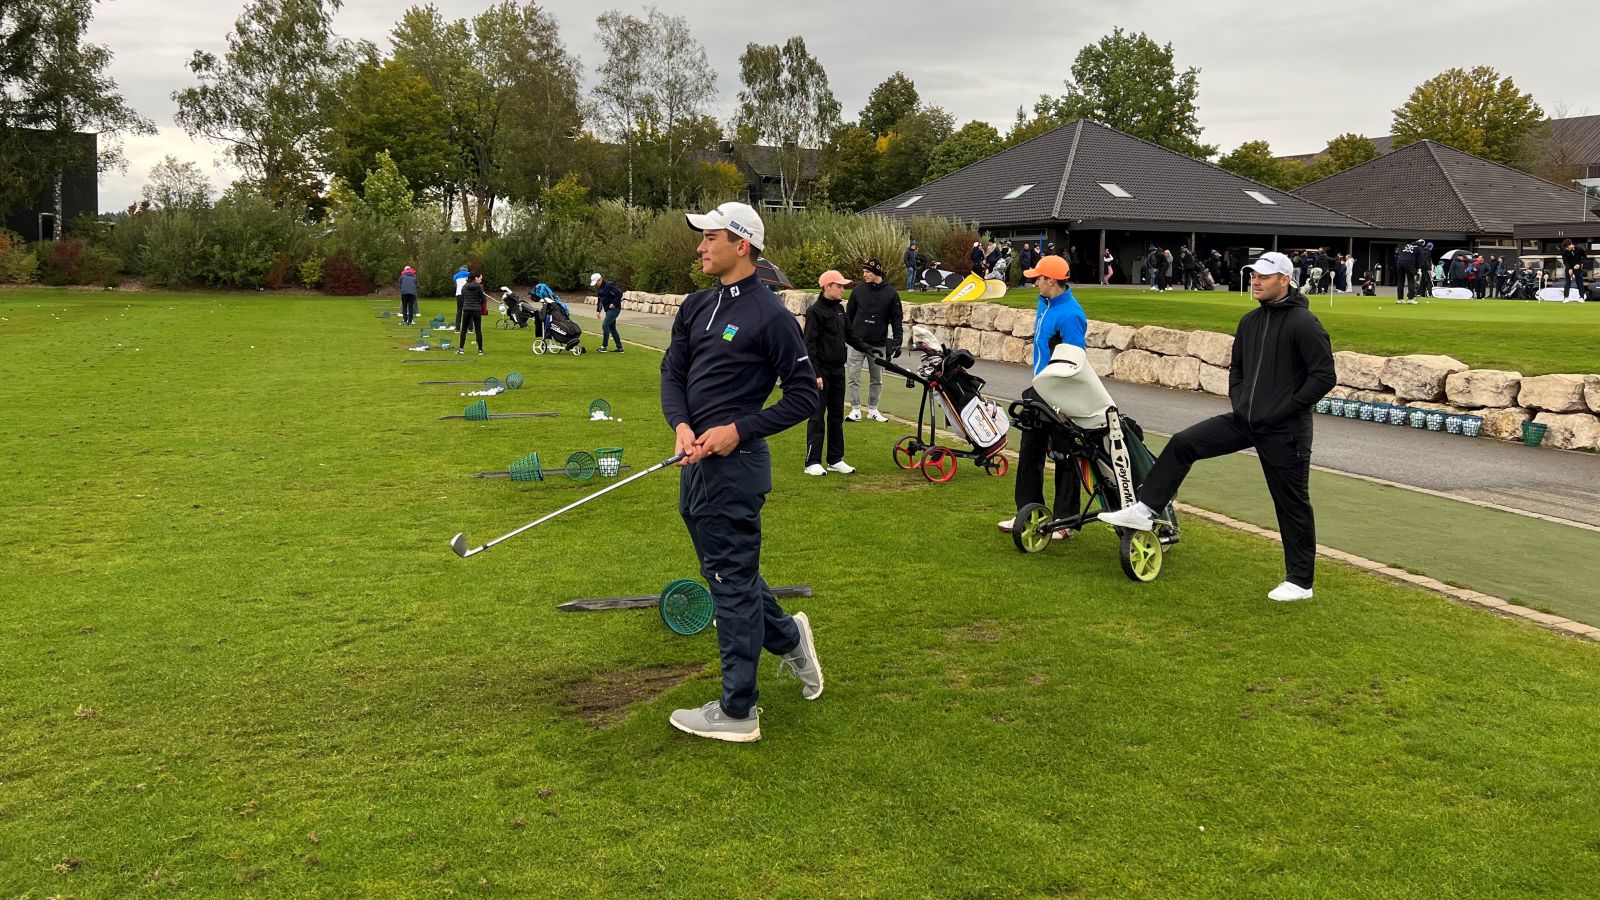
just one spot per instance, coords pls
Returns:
(720, 499)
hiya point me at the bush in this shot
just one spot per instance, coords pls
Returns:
(165, 246)
(18, 265)
(370, 244)
(566, 252)
(955, 251)
(73, 261)
(341, 277)
(244, 238)
(438, 257)
(806, 263)
(662, 255)
(310, 271)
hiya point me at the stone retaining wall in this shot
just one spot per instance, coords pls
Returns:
(1198, 361)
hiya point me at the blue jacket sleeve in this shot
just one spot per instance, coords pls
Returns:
(786, 350)
(675, 372)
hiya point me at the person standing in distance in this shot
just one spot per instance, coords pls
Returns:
(471, 304)
(608, 302)
(873, 320)
(729, 344)
(1282, 365)
(408, 295)
(1573, 263)
(1059, 319)
(461, 277)
(911, 257)
(825, 341)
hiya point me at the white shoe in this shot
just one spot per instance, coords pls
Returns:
(1130, 517)
(854, 414)
(876, 416)
(842, 467)
(1007, 525)
(816, 469)
(1289, 592)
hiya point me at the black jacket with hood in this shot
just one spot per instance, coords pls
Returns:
(873, 313)
(825, 330)
(1282, 365)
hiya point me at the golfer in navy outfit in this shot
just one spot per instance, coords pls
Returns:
(730, 343)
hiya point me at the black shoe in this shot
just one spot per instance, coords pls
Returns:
(604, 350)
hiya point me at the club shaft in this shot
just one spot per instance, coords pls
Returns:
(574, 505)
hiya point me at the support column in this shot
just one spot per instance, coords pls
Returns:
(1274, 243)
(1099, 261)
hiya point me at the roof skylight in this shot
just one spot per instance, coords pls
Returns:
(1021, 189)
(1115, 190)
(914, 198)
(1261, 198)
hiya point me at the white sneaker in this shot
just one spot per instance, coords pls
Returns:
(1129, 517)
(854, 415)
(842, 467)
(1007, 525)
(816, 469)
(876, 416)
(1289, 592)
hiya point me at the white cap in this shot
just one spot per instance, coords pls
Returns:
(1272, 264)
(595, 279)
(736, 218)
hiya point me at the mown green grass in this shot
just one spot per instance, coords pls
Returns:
(1521, 336)
(238, 658)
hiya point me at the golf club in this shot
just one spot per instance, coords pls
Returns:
(459, 542)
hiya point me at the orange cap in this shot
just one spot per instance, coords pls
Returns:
(1050, 267)
(832, 276)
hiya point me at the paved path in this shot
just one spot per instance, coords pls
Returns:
(1547, 482)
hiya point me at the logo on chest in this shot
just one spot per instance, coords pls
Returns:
(729, 332)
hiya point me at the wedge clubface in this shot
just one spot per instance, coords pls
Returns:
(459, 542)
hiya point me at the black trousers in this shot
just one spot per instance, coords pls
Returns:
(1405, 287)
(828, 421)
(720, 500)
(1285, 461)
(471, 320)
(1036, 445)
(408, 308)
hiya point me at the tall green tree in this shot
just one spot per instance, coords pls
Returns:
(851, 162)
(387, 107)
(1475, 110)
(892, 100)
(977, 140)
(682, 84)
(622, 95)
(70, 92)
(268, 97)
(1129, 82)
(22, 171)
(176, 184)
(786, 102)
(909, 147)
(1254, 160)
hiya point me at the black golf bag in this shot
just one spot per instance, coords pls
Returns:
(558, 325)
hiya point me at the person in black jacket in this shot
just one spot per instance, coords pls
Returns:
(1155, 263)
(608, 303)
(1282, 365)
(471, 304)
(873, 317)
(730, 344)
(824, 331)
(1573, 262)
(911, 259)
(977, 258)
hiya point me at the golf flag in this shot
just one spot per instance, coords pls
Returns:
(971, 288)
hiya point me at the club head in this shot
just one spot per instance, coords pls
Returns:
(459, 545)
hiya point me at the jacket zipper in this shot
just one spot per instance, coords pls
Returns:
(715, 310)
(1250, 409)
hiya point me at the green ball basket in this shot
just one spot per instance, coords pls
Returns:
(581, 466)
(599, 405)
(444, 343)
(686, 606)
(609, 461)
(478, 412)
(527, 469)
(514, 380)
(491, 383)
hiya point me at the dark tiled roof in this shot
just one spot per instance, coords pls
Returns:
(1428, 186)
(1067, 166)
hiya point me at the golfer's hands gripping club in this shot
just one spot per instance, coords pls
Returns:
(720, 440)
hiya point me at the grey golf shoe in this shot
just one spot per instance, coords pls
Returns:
(802, 660)
(710, 721)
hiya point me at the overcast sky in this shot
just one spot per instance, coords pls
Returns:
(1294, 75)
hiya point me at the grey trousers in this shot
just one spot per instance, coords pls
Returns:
(852, 368)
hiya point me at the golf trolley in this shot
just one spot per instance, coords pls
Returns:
(1105, 449)
(515, 312)
(948, 386)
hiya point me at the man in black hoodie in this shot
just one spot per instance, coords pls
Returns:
(1282, 365)
(825, 341)
(873, 314)
(1573, 262)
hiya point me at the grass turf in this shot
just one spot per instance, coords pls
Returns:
(1521, 336)
(239, 658)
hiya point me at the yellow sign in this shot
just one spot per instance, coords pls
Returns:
(971, 288)
(994, 289)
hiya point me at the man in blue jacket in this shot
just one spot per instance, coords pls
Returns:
(729, 344)
(911, 266)
(608, 303)
(1058, 319)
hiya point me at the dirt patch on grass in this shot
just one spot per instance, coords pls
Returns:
(884, 484)
(983, 631)
(604, 699)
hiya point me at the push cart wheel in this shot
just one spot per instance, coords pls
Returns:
(538, 347)
(1027, 530)
(686, 606)
(578, 349)
(998, 465)
(938, 464)
(506, 324)
(1141, 554)
(906, 450)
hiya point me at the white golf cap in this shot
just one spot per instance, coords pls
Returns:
(595, 279)
(1272, 264)
(736, 218)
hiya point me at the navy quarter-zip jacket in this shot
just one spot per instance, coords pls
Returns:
(730, 343)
